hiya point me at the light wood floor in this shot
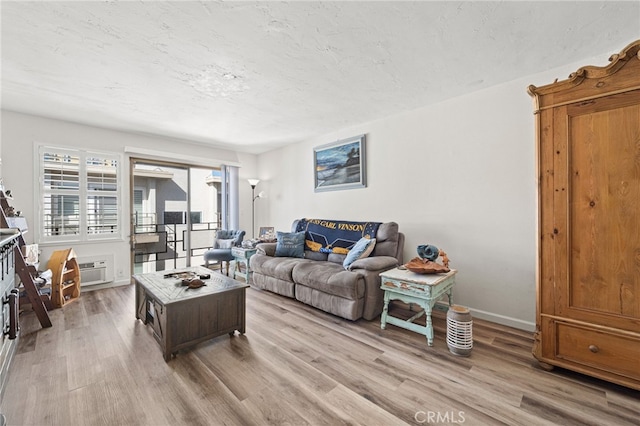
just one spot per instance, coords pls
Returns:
(295, 365)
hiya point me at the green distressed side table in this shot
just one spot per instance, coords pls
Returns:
(242, 255)
(423, 290)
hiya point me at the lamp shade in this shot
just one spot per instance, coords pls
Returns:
(253, 182)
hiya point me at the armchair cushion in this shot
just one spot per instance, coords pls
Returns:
(223, 244)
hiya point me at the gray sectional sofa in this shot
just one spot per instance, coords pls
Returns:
(320, 279)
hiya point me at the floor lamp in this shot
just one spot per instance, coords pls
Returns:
(253, 183)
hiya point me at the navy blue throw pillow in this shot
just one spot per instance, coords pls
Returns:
(290, 244)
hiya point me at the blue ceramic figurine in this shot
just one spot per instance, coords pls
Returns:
(428, 252)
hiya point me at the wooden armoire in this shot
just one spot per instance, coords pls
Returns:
(588, 277)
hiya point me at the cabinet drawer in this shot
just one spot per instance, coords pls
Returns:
(609, 352)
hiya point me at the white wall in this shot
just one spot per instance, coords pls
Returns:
(459, 175)
(21, 132)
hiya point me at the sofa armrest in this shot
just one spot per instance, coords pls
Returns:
(369, 268)
(374, 263)
(267, 248)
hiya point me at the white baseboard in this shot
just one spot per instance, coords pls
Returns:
(504, 320)
(499, 319)
(106, 285)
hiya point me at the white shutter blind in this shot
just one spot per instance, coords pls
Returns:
(61, 195)
(102, 195)
(80, 194)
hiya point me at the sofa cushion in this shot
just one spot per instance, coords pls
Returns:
(336, 258)
(387, 240)
(330, 278)
(345, 308)
(290, 244)
(360, 250)
(265, 282)
(315, 255)
(277, 267)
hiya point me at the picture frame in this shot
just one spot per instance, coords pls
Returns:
(266, 233)
(340, 165)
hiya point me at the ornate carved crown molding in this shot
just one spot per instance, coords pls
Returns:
(618, 61)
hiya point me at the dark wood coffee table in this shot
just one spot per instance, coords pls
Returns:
(182, 317)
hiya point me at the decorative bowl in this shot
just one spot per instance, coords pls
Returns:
(421, 266)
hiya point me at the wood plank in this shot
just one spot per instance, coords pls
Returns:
(51, 404)
(360, 410)
(111, 400)
(213, 400)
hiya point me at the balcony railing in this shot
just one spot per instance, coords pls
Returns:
(166, 244)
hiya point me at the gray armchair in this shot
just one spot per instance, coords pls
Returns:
(222, 244)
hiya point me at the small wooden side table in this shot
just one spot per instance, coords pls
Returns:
(423, 290)
(242, 255)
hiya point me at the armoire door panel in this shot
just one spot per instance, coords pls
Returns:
(603, 215)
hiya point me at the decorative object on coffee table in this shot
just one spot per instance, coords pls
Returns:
(193, 283)
(459, 330)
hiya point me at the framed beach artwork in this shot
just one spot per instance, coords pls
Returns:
(340, 165)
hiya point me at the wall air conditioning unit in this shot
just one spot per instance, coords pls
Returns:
(93, 272)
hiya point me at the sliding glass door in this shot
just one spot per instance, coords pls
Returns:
(175, 211)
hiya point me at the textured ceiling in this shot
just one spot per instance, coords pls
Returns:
(256, 75)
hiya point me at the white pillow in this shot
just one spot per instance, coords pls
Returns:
(224, 244)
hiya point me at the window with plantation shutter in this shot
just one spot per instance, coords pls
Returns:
(79, 195)
(61, 193)
(102, 195)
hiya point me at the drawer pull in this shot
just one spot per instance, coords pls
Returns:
(594, 348)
